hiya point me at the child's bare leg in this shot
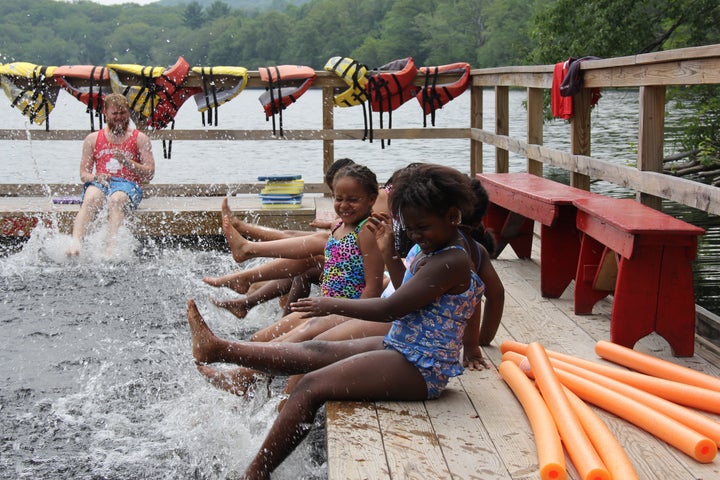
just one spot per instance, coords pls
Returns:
(239, 245)
(237, 307)
(344, 380)
(346, 330)
(312, 327)
(281, 358)
(278, 268)
(279, 328)
(257, 232)
(237, 381)
(240, 307)
(236, 281)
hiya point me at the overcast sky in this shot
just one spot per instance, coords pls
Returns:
(115, 2)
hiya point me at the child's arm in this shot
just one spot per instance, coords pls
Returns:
(445, 272)
(373, 264)
(472, 354)
(381, 225)
(494, 300)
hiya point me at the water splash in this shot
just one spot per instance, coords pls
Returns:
(97, 378)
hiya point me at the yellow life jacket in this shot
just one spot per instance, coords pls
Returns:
(30, 88)
(353, 74)
(219, 85)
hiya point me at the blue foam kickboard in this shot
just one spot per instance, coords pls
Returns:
(278, 178)
(71, 200)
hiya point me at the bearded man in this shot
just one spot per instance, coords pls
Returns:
(116, 162)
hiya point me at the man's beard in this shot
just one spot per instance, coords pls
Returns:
(119, 129)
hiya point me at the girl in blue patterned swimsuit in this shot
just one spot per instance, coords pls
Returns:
(428, 312)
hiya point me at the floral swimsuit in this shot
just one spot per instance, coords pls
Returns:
(431, 338)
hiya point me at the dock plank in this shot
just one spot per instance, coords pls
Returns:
(411, 447)
(162, 215)
(354, 442)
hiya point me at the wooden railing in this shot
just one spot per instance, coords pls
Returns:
(651, 73)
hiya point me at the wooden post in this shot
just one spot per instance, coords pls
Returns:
(328, 122)
(580, 134)
(476, 121)
(502, 127)
(535, 127)
(650, 137)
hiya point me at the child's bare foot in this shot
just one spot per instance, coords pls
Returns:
(237, 381)
(236, 307)
(204, 341)
(225, 209)
(238, 244)
(235, 281)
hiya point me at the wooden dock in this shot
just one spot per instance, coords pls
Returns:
(478, 429)
(166, 210)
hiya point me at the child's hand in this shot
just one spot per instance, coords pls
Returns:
(312, 307)
(380, 224)
(321, 224)
(473, 359)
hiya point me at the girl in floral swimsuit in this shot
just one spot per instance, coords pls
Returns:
(413, 361)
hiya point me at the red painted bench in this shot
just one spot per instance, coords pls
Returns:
(517, 200)
(654, 287)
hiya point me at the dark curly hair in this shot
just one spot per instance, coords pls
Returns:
(431, 187)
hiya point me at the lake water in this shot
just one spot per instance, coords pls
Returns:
(97, 378)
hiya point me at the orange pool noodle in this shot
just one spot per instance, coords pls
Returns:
(610, 450)
(694, 420)
(671, 431)
(681, 393)
(551, 457)
(578, 445)
(654, 366)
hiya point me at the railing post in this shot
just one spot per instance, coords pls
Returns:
(502, 121)
(476, 121)
(535, 126)
(580, 134)
(650, 137)
(328, 123)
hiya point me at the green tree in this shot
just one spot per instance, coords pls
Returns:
(194, 17)
(217, 10)
(453, 31)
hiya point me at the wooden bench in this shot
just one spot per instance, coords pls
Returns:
(517, 200)
(653, 291)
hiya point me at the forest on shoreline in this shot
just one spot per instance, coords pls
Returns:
(484, 33)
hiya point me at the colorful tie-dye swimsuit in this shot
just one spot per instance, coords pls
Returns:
(344, 271)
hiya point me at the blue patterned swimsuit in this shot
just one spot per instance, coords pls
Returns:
(431, 338)
(344, 270)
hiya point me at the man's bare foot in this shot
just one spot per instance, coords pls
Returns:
(235, 281)
(74, 249)
(238, 244)
(236, 307)
(237, 381)
(204, 341)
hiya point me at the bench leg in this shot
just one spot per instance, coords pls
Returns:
(509, 228)
(636, 295)
(559, 252)
(588, 262)
(654, 292)
(676, 301)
